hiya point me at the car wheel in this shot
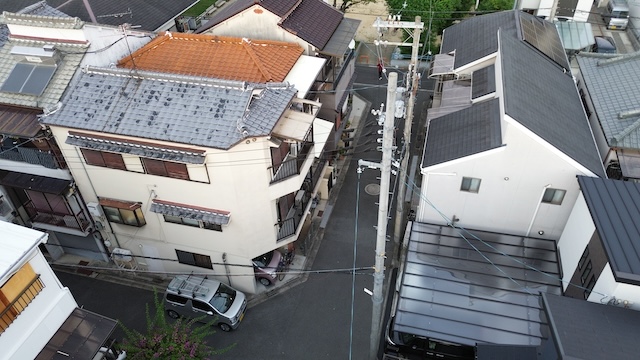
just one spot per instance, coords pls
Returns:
(172, 314)
(265, 281)
(224, 327)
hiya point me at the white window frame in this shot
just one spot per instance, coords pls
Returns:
(553, 196)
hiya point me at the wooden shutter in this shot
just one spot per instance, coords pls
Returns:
(154, 167)
(177, 170)
(114, 161)
(93, 157)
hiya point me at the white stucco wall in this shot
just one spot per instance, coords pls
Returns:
(257, 23)
(513, 181)
(33, 328)
(574, 239)
(607, 288)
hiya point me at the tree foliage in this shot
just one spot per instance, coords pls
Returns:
(495, 5)
(346, 4)
(163, 339)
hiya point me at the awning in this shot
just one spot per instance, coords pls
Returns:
(321, 131)
(34, 182)
(17, 121)
(213, 216)
(148, 150)
(304, 73)
(575, 35)
(80, 336)
(339, 42)
(294, 125)
(119, 204)
(630, 165)
(442, 64)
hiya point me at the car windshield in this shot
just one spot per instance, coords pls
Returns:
(223, 298)
(263, 260)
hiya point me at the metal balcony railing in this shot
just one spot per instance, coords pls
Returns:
(17, 306)
(291, 166)
(31, 156)
(73, 221)
(290, 225)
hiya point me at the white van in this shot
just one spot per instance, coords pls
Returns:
(194, 296)
(616, 15)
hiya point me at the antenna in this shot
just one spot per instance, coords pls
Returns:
(117, 15)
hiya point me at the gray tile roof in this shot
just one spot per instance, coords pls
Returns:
(587, 330)
(314, 21)
(545, 100)
(451, 292)
(71, 56)
(40, 8)
(180, 109)
(462, 133)
(613, 88)
(614, 206)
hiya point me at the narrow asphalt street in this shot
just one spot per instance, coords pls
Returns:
(316, 319)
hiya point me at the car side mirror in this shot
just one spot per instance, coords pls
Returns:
(210, 313)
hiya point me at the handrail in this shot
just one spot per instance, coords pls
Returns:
(11, 311)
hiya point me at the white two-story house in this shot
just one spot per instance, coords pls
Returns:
(39, 318)
(507, 134)
(189, 173)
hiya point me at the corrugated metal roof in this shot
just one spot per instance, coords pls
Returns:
(213, 216)
(341, 38)
(180, 109)
(451, 292)
(615, 209)
(623, 76)
(15, 243)
(17, 121)
(587, 330)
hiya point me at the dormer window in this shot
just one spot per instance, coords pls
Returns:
(33, 71)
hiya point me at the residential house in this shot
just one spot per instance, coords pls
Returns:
(507, 133)
(38, 59)
(41, 49)
(599, 251)
(565, 10)
(463, 292)
(241, 59)
(188, 173)
(320, 29)
(39, 318)
(608, 87)
(141, 14)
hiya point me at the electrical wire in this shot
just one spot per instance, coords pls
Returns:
(355, 250)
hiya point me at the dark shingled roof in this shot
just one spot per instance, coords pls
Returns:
(587, 330)
(615, 209)
(462, 133)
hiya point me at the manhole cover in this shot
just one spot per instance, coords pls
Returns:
(372, 189)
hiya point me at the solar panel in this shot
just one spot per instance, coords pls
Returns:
(543, 35)
(26, 78)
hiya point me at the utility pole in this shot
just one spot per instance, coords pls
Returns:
(383, 202)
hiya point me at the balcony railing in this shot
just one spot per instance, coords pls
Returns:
(17, 306)
(290, 225)
(292, 166)
(333, 73)
(72, 221)
(31, 156)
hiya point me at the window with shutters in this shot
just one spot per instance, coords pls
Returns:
(104, 159)
(165, 168)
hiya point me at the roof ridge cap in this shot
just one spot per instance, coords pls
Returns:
(36, 20)
(246, 44)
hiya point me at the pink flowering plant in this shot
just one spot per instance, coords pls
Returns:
(171, 340)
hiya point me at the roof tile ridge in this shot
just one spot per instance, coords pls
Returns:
(293, 8)
(39, 20)
(147, 48)
(628, 130)
(246, 44)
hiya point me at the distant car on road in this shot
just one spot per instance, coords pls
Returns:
(604, 45)
(265, 267)
(195, 296)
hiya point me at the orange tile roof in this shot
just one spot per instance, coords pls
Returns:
(216, 56)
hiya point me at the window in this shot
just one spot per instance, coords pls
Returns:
(17, 293)
(189, 258)
(553, 196)
(176, 299)
(123, 212)
(589, 287)
(165, 168)
(104, 159)
(470, 184)
(583, 258)
(199, 305)
(192, 222)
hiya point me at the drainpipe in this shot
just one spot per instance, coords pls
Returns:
(226, 267)
(535, 213)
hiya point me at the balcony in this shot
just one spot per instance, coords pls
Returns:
(76, 221)
(292, 165)
(295, 216)
(21, 150)
(22, 300)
